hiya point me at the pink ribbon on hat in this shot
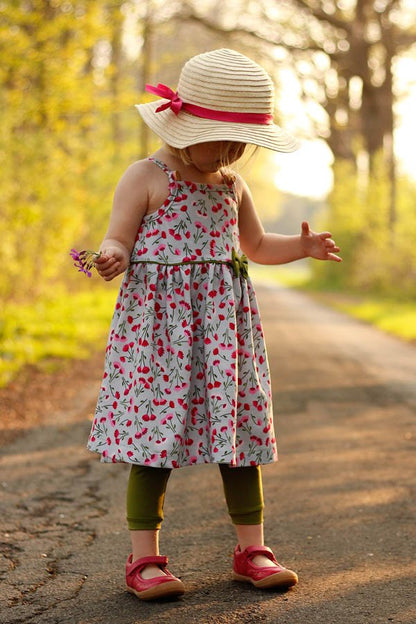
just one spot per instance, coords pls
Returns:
(165, 92)
(176, 104)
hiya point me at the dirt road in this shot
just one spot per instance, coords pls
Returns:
(340, 503)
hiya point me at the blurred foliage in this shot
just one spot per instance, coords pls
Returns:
(59, 154)
(379, 256)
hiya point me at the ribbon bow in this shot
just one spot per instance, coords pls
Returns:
(239, 264)
(166, 93)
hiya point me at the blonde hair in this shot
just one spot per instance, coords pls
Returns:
(226, 148)
(181, 153)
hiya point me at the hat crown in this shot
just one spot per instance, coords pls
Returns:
(226, 80)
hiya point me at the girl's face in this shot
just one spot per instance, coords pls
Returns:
(211, 156)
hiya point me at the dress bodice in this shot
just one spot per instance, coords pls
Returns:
(197, 222)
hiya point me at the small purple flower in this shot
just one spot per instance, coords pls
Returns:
(84, 260)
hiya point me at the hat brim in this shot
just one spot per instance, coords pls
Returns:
(184, 129)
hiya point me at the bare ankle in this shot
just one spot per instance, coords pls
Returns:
(249, 535)
(144, 544)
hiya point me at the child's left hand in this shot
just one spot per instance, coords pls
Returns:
(318, 245)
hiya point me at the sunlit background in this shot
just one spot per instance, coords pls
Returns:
(70, 75)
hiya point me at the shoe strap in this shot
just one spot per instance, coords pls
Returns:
(253, 551)
(141, 563)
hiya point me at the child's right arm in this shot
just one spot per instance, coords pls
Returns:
(129, 207)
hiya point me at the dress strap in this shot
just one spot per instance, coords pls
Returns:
(162, 166)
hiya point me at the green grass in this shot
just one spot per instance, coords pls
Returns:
(392, 315)
(292, 275)
(66, 325)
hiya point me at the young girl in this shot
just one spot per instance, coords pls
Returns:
(186, 376)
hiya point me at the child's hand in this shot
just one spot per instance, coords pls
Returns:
(318, 245)
(111, 263)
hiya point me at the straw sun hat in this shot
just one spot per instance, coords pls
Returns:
(222, 96)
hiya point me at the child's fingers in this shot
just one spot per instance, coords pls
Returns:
(109, 269)
(112, 272)
(101, 259)
(107, 255)
(334, 257)
(330, 244)
(305, 228)
(106, 267)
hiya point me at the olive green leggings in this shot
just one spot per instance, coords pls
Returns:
(147, 487)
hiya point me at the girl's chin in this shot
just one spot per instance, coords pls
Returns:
(214, 167)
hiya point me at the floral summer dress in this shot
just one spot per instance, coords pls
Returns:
(186, 376)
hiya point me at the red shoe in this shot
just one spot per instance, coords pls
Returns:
(151, 589)
(245, 570)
